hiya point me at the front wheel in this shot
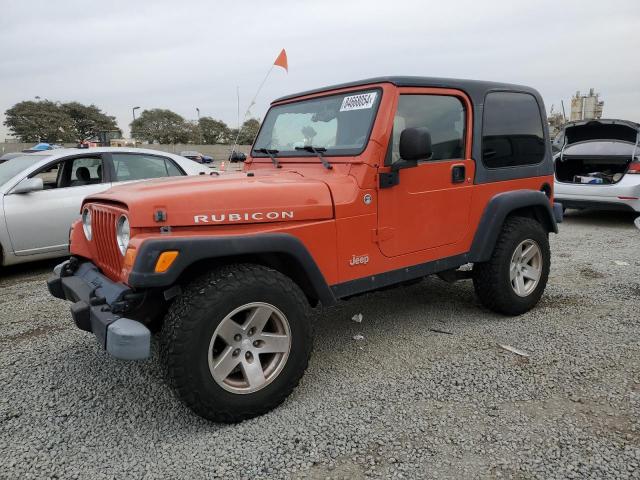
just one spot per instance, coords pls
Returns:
(514, 278)
(237, 342)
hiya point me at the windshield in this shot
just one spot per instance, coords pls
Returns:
(339, 123)
(11, 168)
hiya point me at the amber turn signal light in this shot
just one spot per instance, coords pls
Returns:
(129, 258)
(165, 260)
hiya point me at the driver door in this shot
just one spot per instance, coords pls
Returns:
(39, 222)
(430, 205)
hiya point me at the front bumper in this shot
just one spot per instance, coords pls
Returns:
(97, 301)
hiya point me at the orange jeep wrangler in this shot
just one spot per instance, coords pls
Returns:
(347, 189)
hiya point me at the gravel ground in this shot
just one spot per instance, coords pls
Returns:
(404, 402)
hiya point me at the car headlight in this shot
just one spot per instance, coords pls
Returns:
(122, 233)
(86, 223)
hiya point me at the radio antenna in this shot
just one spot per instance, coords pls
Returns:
(281, 61)
(246, 114)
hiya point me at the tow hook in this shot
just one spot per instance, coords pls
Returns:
(69, 267)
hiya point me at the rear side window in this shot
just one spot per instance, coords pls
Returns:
(512, 131)
(85, 171)
(129, 166)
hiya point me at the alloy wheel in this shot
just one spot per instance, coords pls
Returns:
(249, 348)
(525, 267)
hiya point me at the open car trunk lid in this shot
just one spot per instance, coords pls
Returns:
(603, 129)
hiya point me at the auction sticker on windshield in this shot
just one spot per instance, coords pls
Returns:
(358, 102)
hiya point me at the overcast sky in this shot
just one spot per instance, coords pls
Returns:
(183, 54)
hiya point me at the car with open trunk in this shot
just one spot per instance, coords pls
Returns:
(597, 165)
(347, 189)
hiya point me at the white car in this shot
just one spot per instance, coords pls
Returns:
(598, 165)
(41, 193)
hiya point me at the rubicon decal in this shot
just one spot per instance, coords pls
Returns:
(243, 217)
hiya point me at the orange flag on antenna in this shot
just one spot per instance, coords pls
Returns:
(281, 61)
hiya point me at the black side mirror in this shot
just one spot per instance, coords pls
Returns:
(415, 144)
(237, 157)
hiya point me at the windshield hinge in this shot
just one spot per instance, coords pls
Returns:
(388, 179)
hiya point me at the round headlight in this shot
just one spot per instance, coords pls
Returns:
(86, 223)
(122, 233)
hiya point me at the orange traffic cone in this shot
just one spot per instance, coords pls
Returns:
(222, 165)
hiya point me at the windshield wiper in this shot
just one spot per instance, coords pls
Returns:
(318, 151)
(272, 155)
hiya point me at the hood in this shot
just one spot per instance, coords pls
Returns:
(603, 129)
(229, 199)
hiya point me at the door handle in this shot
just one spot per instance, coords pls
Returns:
(458, 174)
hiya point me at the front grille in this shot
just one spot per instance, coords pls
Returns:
(103, 225)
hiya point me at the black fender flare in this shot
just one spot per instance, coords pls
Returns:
(195, 249)
(497, 210)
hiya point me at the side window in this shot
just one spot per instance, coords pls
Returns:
(49, 175)
(85, 171)
(444, 116)
(134, 166)
(512, 132)
(172, 169)
(74, 172)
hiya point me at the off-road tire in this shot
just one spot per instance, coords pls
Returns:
(192, 320)
(491, 279)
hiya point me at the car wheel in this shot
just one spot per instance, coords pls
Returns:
(514, 278)
(237, 342)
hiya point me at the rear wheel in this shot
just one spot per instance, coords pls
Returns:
(515, 277)
(237, 342)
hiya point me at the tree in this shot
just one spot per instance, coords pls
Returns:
(88, 121)
(214, 131)
(194, 133)
(309, 133)
(248, 131)
(233, 134)
(162, 126)
(47, 121)
(42, 121)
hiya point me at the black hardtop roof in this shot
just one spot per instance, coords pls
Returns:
(476, 89)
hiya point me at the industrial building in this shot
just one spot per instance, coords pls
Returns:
(586, 107)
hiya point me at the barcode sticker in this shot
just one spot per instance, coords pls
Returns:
(358, 102)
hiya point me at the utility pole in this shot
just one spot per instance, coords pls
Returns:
(133, 110)
(200, 140)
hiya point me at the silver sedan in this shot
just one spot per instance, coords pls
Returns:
(41, 193)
